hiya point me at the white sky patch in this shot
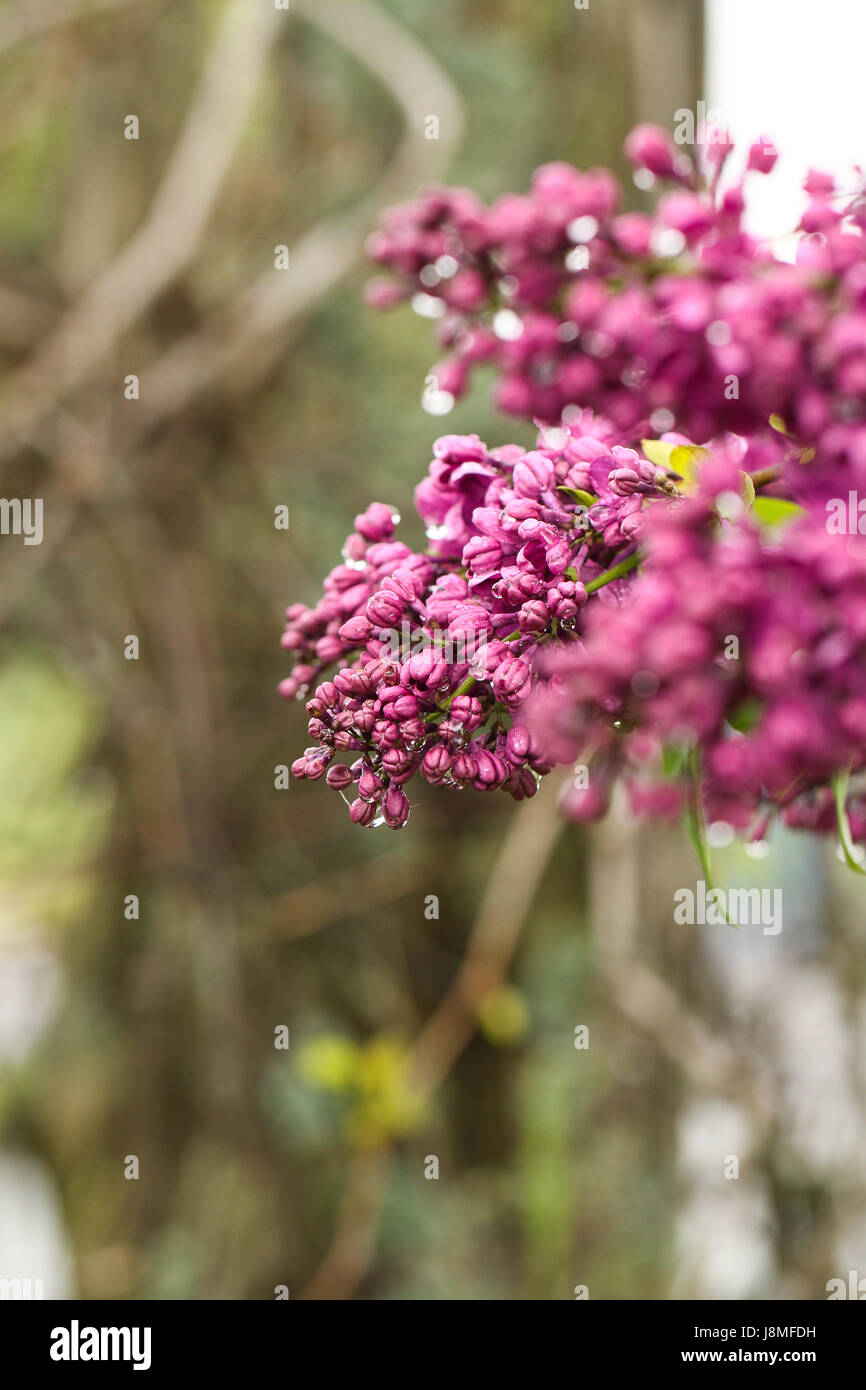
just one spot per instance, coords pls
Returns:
(792, 70)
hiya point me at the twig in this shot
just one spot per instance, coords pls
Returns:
(164, 243)
(354, 1243)
(305, 910)
(22, 22)
(508, 896)
(248, 328)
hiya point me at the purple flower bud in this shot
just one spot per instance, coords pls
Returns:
(533, 616)
(364, 720)
(533, 475)
(355, 631)
(395, 808)
(395, 762)
(467, 711)
(436, 763)
(362, 812)
(376, 523)
(369, 786)
(512, 681)
(482, 554)
(521, 784)
(327, 697)
(406, 707)
(490, 771)
(339, 777)
(624, 481)
(518, 743)
(383, 610)
(464, 767)
(650, 147)
(317, 760)
(427, 668)
(345, 743)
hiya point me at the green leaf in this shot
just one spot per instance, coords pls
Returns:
(685, 459)
(675, 760)
(658, 452)
(778, 424)
(745, 716)
(748, 489)
(775, 511)
(586, 499)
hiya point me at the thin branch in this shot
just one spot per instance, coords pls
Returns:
(167, 239)
(248, 328)
(19, 23)
(508, 896)
(356, 888)
(354, 1244)
(511, 889)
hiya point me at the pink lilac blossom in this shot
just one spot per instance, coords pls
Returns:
(676, 314)
(585, 600)
(745, 659)
(436, 652)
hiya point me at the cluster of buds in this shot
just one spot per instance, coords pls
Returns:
(436, 652)
(670, 319)
(620, 594)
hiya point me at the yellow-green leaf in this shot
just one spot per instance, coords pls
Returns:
(685, 459)
(587, 499)
(775, 511)
(658, 452)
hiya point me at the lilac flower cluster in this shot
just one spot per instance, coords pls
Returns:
(675, 319)
(436, 652)
(736, 668)
(657, 615)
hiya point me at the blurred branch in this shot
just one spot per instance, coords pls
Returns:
(354, 1243)
(170, 233)
(511, 887)
(37, 17)
(22, 318)
(354, 889)
(247, 331)
(711, 1062)
(508, 896)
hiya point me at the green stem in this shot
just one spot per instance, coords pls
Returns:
(840, 795)
(698, 834)
(624, 567)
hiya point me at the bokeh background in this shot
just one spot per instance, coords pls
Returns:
(487, 989)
